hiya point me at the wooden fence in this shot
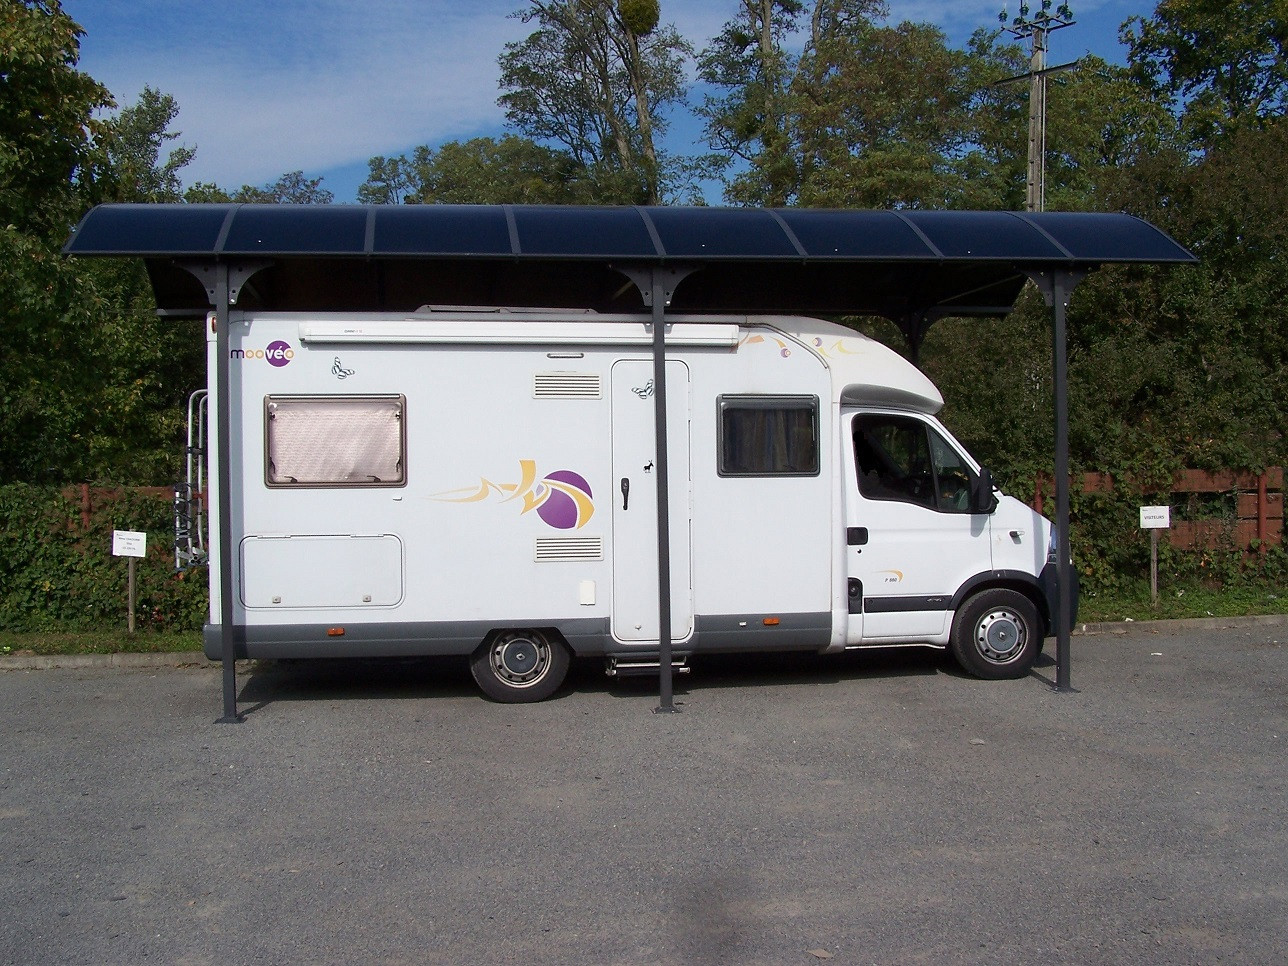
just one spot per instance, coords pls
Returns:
(1257, 519)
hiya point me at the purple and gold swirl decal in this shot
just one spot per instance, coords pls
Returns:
(562, 499)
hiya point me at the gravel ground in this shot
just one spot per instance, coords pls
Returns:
(871, 808)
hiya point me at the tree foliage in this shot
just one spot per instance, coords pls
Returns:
(1219, 63)
(596, 77)
(292, 188)
(46, 116)
(750, 67)
(129, 148)
(91, 383)
(482, 171)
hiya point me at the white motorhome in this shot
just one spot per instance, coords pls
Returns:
(481, 482)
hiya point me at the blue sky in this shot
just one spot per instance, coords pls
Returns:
(323, 85)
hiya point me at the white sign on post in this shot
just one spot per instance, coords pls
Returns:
(1155, 517)
(132, 544)
(129, 543)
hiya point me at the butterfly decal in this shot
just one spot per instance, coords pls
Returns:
(645, 391)
(339, 371)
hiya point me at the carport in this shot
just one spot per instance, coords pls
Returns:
(911, 267)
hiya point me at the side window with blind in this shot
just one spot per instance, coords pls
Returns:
(768, 436)
(336, 441)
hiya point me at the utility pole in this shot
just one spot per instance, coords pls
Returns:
(1036, 28)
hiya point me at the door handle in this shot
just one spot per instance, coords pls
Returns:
(626, 492)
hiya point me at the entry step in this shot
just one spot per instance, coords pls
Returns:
(625, 668)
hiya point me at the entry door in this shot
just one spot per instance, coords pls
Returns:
(912, 541)
(635, 596)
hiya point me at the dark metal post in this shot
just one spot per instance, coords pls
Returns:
(656, 284)
(1056, 286)
(1064, 568)
(223, 451)
(657, 296)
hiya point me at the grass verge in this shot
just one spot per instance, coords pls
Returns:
(98, 642)
(1181, 602)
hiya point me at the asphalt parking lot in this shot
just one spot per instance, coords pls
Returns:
(871, 808)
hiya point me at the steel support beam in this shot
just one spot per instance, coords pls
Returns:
(223, 459)
(223, 282)
(666, 703)
(657, 285)
(1057, 286)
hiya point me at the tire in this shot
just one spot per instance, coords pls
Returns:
(997, 635)
(516, 666)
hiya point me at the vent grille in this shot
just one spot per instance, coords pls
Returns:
(567, 385)
(569, 548)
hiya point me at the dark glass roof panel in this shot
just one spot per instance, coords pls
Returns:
(985, 235)
(440, 230)
(721, 233)
(1118, 238)
(568, 231)
(298, 230)
(853, 234)
(149, 229)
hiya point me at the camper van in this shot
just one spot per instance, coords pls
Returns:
(483, 483)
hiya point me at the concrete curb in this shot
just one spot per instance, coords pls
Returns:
(1183, 623)
(159, 659)
(177, 659)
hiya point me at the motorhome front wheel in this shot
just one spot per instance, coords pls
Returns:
(997, 634)
(515, 666)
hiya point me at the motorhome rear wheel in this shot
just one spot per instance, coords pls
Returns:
(520, 665)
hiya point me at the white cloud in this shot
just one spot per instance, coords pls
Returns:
(309, 85)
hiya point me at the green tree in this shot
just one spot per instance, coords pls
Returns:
(596, 77)
(883, 111)
(1102, 127)
(144, 366)
(1221, 63)
(48, 337)
(390, 181)
(869, 115)
(747, 124)
(47, 111)
(291, 188)
(481, 171)
(130, 146)
(990, 167)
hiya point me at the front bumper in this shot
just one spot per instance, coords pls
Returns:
(1049, 581)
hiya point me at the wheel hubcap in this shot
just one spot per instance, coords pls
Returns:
(1000, 636)
(520, 660)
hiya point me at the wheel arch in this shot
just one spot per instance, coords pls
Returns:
(1016, 580)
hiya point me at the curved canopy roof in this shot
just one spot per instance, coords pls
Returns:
(900, 264)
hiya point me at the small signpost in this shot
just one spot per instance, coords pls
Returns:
(1153, 519)
(132, 544)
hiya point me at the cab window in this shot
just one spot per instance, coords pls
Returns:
(901, 458)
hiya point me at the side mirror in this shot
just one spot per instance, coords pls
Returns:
(982, 499)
